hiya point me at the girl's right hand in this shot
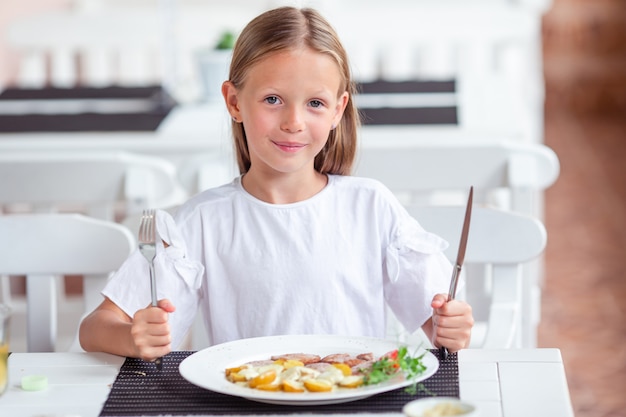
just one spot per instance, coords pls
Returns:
(151, 331)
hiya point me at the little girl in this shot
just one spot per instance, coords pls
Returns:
(294, 245)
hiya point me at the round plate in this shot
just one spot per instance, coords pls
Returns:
(206, 368)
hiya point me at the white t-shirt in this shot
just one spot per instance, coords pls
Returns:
(326, 265)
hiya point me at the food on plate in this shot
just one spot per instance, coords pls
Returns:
(301, 357)
(303, 372)
(391, 363)
(349, 360)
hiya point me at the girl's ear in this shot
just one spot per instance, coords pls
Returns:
(342, 102)
(230, 98)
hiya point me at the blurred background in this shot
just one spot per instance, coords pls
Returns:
(582, 103)
(584, 54)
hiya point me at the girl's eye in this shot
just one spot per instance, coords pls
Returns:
(316, 103)
(272, 100)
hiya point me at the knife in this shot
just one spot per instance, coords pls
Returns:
(456, 271)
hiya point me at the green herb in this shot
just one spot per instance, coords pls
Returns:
(390, 365)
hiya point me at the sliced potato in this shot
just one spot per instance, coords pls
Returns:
(235, 369)
(318, 385)
(331, 374)
(351, 381)
(293, 386)
(266, 377)
(345, 369)
(268, 387)
(236, 377)
(291, 363)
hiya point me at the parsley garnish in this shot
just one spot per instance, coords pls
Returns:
(388, 366)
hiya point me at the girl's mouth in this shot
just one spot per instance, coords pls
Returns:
(289, 147)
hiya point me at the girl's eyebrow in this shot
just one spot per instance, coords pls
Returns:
(274, 91)
(323, 91)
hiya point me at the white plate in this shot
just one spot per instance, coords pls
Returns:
(206, 368)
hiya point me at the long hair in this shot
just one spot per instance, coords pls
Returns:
(288, 28)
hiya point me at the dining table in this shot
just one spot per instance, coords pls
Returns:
(500, 382)
(141, 120)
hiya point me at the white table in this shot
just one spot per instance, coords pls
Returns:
(503, 383)
(186, 131)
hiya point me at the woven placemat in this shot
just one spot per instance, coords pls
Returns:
(141, 390)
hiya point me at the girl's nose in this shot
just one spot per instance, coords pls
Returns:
(293, 121)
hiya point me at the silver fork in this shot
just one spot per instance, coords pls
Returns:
(147, 247)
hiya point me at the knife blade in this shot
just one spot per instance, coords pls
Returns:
(460, 257)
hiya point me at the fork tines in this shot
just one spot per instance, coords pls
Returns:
(146, 227)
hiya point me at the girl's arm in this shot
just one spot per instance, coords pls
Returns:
(450, 325)
(109, 329)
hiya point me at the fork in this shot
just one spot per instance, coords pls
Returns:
(147, 247)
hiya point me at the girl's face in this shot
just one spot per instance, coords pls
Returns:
(288, 105)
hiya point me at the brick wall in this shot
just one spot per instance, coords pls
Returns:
(585, 56)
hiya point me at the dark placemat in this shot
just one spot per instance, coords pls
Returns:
(140, 390)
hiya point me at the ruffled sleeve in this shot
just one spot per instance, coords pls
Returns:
(416, 269)
(178, 279)
(172, 260)
(410, 238)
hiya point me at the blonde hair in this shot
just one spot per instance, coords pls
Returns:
(288, 28)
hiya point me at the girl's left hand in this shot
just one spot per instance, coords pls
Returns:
(452, 323)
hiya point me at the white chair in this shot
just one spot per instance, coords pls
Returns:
(42, 246)
(206, 170)
(99, 183)
(506, 174)
(428, 169)
(503, 242)
(104, 185)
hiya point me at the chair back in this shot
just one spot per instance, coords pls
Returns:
(496, 237)
(503, 243)
(506, 173)
(206, 170)
(42, 246)
(95, 182)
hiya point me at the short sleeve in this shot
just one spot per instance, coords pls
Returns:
(416, 269)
